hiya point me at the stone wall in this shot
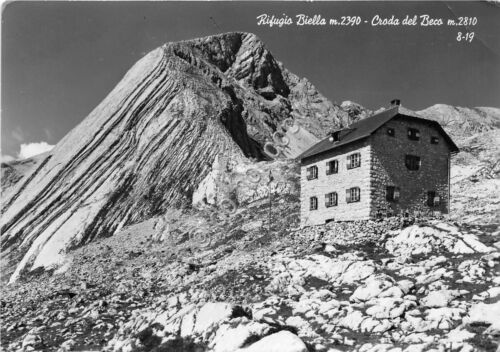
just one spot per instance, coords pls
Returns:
(339, 182)
(389, 169)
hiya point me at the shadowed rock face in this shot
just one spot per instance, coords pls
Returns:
(152, 140)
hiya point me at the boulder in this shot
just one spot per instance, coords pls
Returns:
(283, 341)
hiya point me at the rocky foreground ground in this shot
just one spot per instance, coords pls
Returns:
(165, 285)
(214, 280)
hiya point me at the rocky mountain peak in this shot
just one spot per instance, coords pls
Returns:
(151, 142)
(229, 57)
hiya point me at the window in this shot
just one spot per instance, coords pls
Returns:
(434, 140)
(313, 203)
(413, 134)
(433, 199)
(312, 172)
(332, 167)
(330, 199)
(352, 195)
(412, 162)
(353, 160)
(392, 193)
(390, 131)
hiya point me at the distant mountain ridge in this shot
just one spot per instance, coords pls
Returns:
(457, 121)
(462, 121)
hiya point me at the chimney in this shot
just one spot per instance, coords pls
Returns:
(395, 102)
(334, 136)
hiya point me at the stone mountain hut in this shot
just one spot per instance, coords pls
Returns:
(392, 163)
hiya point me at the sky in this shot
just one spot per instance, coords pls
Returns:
(60, 59)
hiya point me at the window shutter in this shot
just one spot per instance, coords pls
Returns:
(327, 200)
(396, 193)
(312, 172)
(436, 200)
(430, 198)
(331, 167)
(313, 203)
(348, 195)
(348, 162)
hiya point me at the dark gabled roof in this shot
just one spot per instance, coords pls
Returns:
(366, 127)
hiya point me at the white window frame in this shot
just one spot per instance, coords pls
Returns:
(353, 195)
(413, 134)
(331, 199)
(312, 172)
(353, 161)
(396, 193)
(436, 199)
(335, 162)
(313, 203)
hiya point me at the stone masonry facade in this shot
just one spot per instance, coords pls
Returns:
(389, 169)
(337, 182)
(382, 165)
